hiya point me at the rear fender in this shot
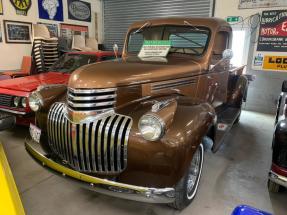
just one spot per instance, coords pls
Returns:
(237, 90)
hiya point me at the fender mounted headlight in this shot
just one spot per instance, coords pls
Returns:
(151, 127)
(35, 101)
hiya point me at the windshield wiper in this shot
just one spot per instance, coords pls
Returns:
(142, 27)
(192, 41)
(189, 24)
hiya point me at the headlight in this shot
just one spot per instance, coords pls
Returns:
(151, 127)
(24, 102)
(35, 101)
(16, 101)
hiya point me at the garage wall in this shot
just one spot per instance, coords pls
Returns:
(264, 91)
(11, 54)
(120, 14)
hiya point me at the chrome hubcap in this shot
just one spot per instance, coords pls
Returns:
(193, 172)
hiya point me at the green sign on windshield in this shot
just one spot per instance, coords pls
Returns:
(157, 43)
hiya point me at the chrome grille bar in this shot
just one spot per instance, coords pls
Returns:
(6, 100)
(94, 147)
(98, 100)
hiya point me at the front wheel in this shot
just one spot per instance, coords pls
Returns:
(186, 188)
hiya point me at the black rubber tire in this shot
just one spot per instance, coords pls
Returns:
(237, 119)
(181, 199)
(273, 187)
(284, 86)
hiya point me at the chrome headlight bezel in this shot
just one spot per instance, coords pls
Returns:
(24, 102)
(16, 101)
(35, 101)
(155, 125)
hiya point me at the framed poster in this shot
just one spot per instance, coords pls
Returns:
(249, 4)
(1, 40)
(53, 29)
(1, 7)
(270, 51)
(79, 10)
(51, 9)
(17, 32)
(22, 7)
(67, 31)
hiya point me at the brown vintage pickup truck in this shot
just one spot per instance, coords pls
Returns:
(135, 128)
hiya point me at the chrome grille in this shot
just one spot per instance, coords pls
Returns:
(93, 147)
(99, 100)
(6, 100)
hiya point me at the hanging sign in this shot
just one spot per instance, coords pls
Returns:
(79, 10)
(21, 6)
(248, 4)
(51, 9)
(270, 52)
(155, 48)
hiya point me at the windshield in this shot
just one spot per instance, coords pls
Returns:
(184, 39)
(67, 63)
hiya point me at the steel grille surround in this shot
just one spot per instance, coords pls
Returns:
(98, 100)
(93, 147)
(6, 100)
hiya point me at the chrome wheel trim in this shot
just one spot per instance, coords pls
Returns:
(194, 173)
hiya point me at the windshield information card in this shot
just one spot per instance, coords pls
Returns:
(155, 48)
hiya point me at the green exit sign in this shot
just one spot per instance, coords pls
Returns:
(232, 19)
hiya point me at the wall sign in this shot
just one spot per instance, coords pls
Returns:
(53, 29)
(273, 31)
(248, 4)
(270, 51)
(1, 8)
(79, 10)
(51, 9)
(17, 32)
(67, 31)
(275, 63)
(22, 6)
(0, 34)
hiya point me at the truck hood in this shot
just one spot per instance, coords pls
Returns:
(133, 70)
(30, 83)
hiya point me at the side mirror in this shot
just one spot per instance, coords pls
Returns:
(227, 54)
(116, 49)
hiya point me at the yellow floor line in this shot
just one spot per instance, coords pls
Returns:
(10, 202)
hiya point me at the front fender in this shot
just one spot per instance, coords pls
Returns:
(280, 144)
(50, 94)
(162, 163)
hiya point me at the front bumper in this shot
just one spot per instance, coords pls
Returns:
(6, 121)
(104, 186)
(278, 179)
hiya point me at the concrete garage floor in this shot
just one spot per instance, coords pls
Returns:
(237, 174)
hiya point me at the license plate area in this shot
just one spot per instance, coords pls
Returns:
(35, 133)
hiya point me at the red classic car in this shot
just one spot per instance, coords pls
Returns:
(14, 107)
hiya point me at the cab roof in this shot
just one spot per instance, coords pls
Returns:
(212, 23)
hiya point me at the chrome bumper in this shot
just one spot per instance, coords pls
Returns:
(278, 179)
(104, 186)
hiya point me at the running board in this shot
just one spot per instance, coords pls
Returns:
(225, 122)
